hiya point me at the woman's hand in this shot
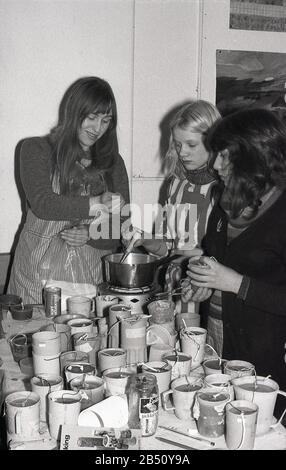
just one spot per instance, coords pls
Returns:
(213, 275)
(198, 295)
(106, 203)
(76, 236)
(114, 202)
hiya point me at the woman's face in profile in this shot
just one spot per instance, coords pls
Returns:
(190, 148)
(222, 166)
(92, 129)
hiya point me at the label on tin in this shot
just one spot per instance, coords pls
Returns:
(52, 297)
(148, 415)
(148, 407)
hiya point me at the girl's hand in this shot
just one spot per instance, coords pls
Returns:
(213, 275)
(76, 236)
(134, 234)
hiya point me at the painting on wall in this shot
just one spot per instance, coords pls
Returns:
(258, 15)
(250, 79)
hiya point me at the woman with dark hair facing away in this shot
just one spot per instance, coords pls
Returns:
(68, 177)
(246, 235)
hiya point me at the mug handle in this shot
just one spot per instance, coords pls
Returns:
(164, 396)
(18, 424)
(282, 416)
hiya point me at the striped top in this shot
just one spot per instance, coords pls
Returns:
(186, 215)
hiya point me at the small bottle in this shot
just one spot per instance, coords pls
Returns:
(144, 404)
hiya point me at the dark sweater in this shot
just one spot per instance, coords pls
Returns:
(254, 329)
(35, 171)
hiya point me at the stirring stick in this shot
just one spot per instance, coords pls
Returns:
(188, 435)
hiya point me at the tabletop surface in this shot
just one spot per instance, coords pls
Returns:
(14, 380)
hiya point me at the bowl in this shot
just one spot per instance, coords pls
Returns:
(7, 300)
(20, 313)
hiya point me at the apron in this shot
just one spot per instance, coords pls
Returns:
(35, 238)
(27, 279)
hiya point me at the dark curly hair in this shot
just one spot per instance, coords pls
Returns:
(256, 141)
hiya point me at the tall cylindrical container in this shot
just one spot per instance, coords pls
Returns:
(133, 338)
(52, 300)
(43, 385)
(65, 334)
(211, 412)
(116, 313)
(46, 349)
(241, 422)
(89, 343)
(64, 408)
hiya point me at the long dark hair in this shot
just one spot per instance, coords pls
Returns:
(256, 141)
(85, 96)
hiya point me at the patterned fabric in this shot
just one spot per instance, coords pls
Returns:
(35, 238)
(188, 208)
(184, 227)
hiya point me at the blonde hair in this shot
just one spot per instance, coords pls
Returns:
(200, 116)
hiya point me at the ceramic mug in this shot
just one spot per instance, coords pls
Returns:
(180, 363)
(162, 371)
(260, 390)
(240, 424)
(22, 410)
(183, 392)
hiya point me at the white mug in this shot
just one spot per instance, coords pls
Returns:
(22, 410)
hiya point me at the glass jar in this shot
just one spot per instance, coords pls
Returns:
(144, 403)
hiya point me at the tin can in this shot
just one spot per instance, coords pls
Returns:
(52, 299)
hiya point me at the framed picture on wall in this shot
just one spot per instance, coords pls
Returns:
(250, 79)
(258, 15)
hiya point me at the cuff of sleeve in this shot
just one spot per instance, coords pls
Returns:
(244, 286)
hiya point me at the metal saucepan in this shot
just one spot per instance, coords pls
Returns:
(138, 270)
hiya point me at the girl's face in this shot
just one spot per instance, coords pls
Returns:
(190, 148)
(92, 128)
(222, 166)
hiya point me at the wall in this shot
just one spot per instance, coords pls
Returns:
(165, 75)
(146, 49)
(44, 46)
(216, 13)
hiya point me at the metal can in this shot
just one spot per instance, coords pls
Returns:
(52, 299)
